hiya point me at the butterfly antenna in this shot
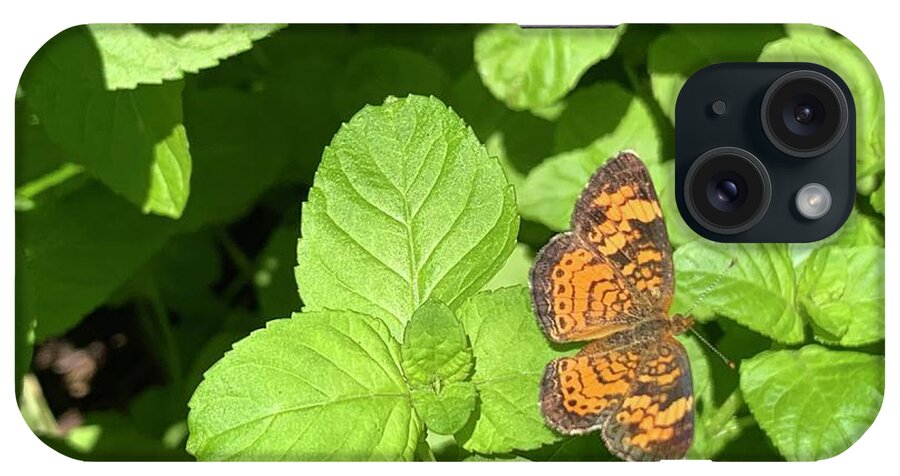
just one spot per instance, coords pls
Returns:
(709, 288)
(699, 299)
(726, 360)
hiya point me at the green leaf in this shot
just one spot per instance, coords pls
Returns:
(534, 68)
(607, 109)
(574, 448)
(685, 49)
(520, 140)
(34, 408)
(858, 230)
(406, 206)
(510, 354)
(188, 265)
(36, 154)
(446, 409)
(376, 73)
(77, 251)
(160, 412)
(435, 347)
(444, 447)
(24, 325)
(549, 192)
(757, 290)
(663, 176)
(813, 403)
(521, 143)
(475, 458)
(714, 426)
(516, 270)
(134, 142)
(448, 44)
(151, 54)
(471, 100)
(319, 386)
(820, 46)
(437, 361)
(842, 291)
(877, 199)
(111, 436)
(276, 288)
(701, 376)
(299, 60)
(703, 397)
(235, 149)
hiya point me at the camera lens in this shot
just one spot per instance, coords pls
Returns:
(804, 113)
(727, 190)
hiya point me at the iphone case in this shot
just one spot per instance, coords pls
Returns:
(421, 242)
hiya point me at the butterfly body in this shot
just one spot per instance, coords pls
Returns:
(610, 281)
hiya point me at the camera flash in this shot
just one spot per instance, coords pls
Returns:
(813, 201)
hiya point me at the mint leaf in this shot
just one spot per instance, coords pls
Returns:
(842, 291)
(820, 46)
(516, 270)
(276, 289)
(319, 386)
(521, 140)
(435, 347)
(858, 230)
(573, 448)
(151, 54)
(757, 291)
(685, 49)
(437, 361)
(302, 63)
(510, 354)
(550, 190)
(663, 176)
(77, 251)
(607, 109)
(136, 142)
(877, 199)
(111, 436)
(813, 403)
(406, 206)
(476, 458)
(445, 409)
(234, 149)
(36, 154)
(534, 68)
(472, 100)
(186, 267)
(24, 324)
(376, 73)
(714, 427)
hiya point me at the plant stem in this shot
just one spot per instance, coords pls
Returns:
(423, 451)
(48, 181)
(729, 408)
(245, 267)
(160, 321)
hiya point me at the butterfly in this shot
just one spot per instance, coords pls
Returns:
(610, 281)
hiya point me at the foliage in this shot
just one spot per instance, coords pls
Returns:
(313, 242)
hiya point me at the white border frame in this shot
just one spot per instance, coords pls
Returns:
(869, 24)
